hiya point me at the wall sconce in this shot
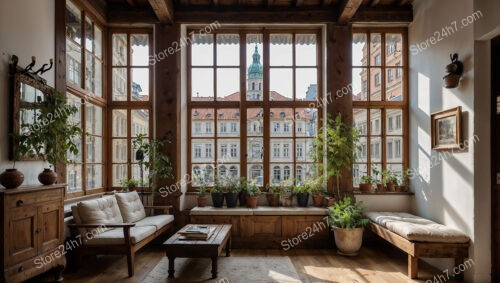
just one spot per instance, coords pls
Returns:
(454, 70)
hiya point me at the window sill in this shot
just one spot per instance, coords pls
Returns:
(356, 192)
(260, 210)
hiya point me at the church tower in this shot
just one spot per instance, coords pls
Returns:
(255, 85)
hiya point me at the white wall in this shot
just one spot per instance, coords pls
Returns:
(447, 191)
(26, 29)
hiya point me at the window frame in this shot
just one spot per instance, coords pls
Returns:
(266, 104)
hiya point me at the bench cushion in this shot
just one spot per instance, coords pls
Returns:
(116, 237)
(103, 210)
(416, 228)
(131, 207)
(158, 221)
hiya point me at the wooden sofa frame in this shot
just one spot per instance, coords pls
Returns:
(416, 250)
(128, 248)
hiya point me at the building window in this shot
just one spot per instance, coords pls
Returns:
(276, 174)
(234, 128)
(379, 114)
(197, 128)
(197, 151)
(208, 150)
(276, 150)
(223, 150)
(208, 128)
(286, 150)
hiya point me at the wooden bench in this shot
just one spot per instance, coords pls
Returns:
(416, 250)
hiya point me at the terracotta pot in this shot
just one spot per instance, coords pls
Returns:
(391, 187)
(11, 178)
(252, 201)
(47, 177)
(380, 188)
(202, 201)
(318, 200)
(365, 187)
(348, 241)
(273, 199)
(330, 201)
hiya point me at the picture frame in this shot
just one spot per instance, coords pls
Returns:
(446, 129)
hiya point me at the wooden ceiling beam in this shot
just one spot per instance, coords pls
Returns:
(386, 14)
(299, 3)
(132, 3)
(404, 2)
(347, 10)
(131, 16)
(164, 10)
(374, 3)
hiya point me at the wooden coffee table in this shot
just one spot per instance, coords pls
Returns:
(210, 248)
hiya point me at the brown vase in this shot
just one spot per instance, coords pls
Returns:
(380, 188)
(47, 177)
(273, 199)
(365, 187)
(11, 178)
(202, 201)
(318, 200)
(391, 187)
(330, 201)
(252, 201)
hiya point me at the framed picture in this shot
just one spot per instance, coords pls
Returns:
(446, 128)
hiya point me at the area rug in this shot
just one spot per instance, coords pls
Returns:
(231, 270)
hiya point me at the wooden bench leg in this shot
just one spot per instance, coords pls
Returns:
(458, 262)
(412, 267)
(130, 263)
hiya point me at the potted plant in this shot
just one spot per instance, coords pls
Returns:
(405, 182)
(129, 184)
(337, 144)
(347, 221)
(273, 194)
(202, 198)
(253, 193)
(366, 183)
(56, 136)
(231, 191)
(330, 200)
(318, 192)
(286, 193)
(390, 180)
(378, 180)
(243, 192)
(302, 193)
(217, 193)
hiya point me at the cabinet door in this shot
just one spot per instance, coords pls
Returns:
(51, 225)
(261, 226)
(21, 242)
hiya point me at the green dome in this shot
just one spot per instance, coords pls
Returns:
(255, 70)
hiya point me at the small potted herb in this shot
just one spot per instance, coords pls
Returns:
(378, 180)
(231, 191)
(273, 194)
(390, 180)
(405, 182)
(366, 183)
(253, 193)
(217, 193)
(129, 184)
(318, 192)
(302, 193)
(286, 193)
(202, 198)
(243, 191)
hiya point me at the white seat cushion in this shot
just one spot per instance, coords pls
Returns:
(159, 221)
(131, 207)
(416, 228)
(104, 210)
(115, 236)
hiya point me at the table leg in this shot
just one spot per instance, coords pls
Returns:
(228, 247)
(214, 267)
(171, 270)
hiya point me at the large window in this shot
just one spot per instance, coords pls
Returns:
(380, 100)
(84, 65)
(256, 90)
(130, 103)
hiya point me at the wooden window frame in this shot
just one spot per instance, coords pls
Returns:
(127, 105)
(383, 104)
(266, 105)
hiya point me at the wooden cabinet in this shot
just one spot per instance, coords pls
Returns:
(33, 231)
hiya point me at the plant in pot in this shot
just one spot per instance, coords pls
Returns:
(302, 193)
(232, 190)
(286, 193)
(201, 197)
(253, 194)
(365, 184)
(378, 180)
(405, 181)
(243, 192)
(318, 192)
(336, 144)
(347, 221)
(129, 184)
(217, 193)
(273, 194)
(391, 181)
(56, 136)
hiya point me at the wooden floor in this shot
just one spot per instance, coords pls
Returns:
(376, 263)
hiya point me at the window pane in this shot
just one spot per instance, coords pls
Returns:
(280, 173)
(119, 84)
(254, 75)
(93, 75)
(202, 150)
(94, 176)
(202, 122)
(139, 49)
(94, 149)
(228, 122)
(306, 84)
(359, 84)
(140, 122)
(362, 151)
(281, 84)
(394, 121)
(359, 49)
(394, 84)
(303, 150)
(94, 119)
(281, 50)
(305, 50)
(228, 150)
(304, 171)
(140, 174)
(119, 173)
(205, 172)
(73, 63)
(359, 117)
(120, 118)
(397, 169)
(120, 148)
(139, 84)
(394, 49)
(376, 149)
(375, 84)
(256, 173)
(202, 84)
(228, 84)
(255, 122)
(202, 50)
(98, 41)
(306, 122)
(358, 171)
(119, 49)
(281, 150)
(394, 149)
(89, 35)
(228, 49)
(74, 177)
(255, 149)
(375, 122)
(281, 120)
(73, 23)
(375, 49)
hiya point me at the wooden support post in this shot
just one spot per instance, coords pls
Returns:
(412, 267)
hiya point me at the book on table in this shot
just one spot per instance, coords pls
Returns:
(196, 232)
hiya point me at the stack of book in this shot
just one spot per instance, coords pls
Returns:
(196, 232)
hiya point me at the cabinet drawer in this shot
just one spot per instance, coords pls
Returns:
(30, 198)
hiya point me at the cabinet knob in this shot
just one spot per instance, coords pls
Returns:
(20, 203)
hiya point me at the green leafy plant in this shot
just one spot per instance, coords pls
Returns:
(337, 143)
(368, 179)
(253, 189)
(346, 214)
(389, 177)
(202, 191)
(128, 183)
(231, 184)
(273, 188)
(302, 188)
(158, 164)
(202, 183)
(377, 176)
(218, 186)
